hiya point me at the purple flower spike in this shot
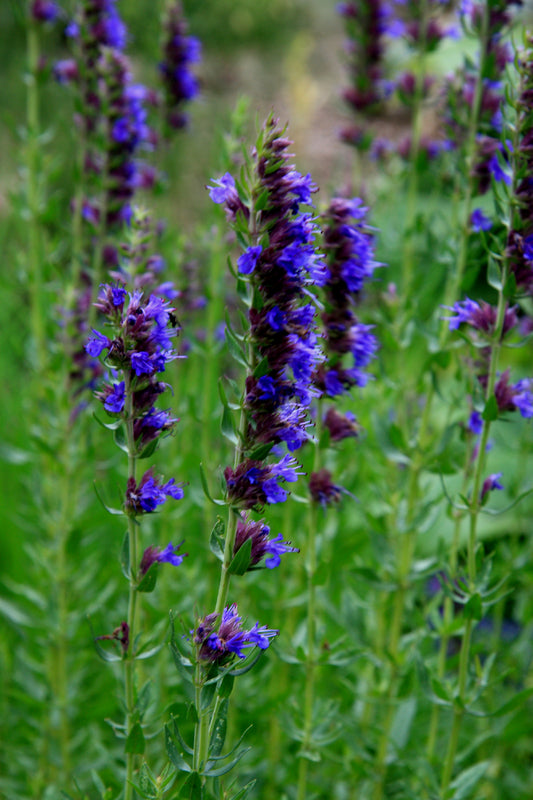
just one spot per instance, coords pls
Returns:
(180, 51)
(44, 10)
(246, 263)
(141, 364)
(523, 398)
(149, 493)
(480, 316)
(475, 423)
(322, 488)
(115, 398)
(479, 221)
(498, 172)
(262, 546)
(349, 244)
(96, 344)
(223, 189)
(231, 639)
(154, 555)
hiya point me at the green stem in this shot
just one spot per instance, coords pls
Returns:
(32, 193)
(201, 732)
(67, 506)
(474, 509)
(455, 279)
(211, 365)
(129, 663)
(310, 665)
(447, 617)
(98, 245)
(405, 557)
(416, 134)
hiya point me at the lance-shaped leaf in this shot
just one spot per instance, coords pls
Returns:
(173, 753)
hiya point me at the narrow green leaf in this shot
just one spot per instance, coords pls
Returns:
(242, 558)
(179, 737)
(135, 742)
(125, 556)
(114, 511)
(150, 449)
(262, 368)
(218, 736)
(260, 452)
(205, 487)
(467, 779)
(14, 614)
(106, 655)
(192, 788)
(234, 347)
(119, 437)
(490, 412)
(173, 753)
(207, 695)
(403, 720)
(227, 426)
(212, 773)
(183, 664)
(216, 540)
(474, 607)
(143, 698)
(247, 664)
(142, 655)
(146, 779)
(149, 580)
(244, 792)
(509, 290)
(494, 274)
(110, 426)
(226, 685)
(515, 702)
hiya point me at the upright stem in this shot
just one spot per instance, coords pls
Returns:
(455, 279)
(129, 663)
(32, 192)
(447, 616)
(310, 666)
(405, 558)
(214, 307)
(416, 133)
(206, 719)
(474, 508)
(231, 530)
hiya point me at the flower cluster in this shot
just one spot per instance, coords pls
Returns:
(280, 264)
(44, 10)
(349, 247)
(479, 316)
(365, 24)
(253, 483)
(145, 496)
(134, 263)
(513, 396)
(220, 646)
(520, 242)
(322, 489)
(461, 89)
(154, 555)
(261, 545)
(180, 51)
(126, 121)
(140, 349)
(113, 117)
